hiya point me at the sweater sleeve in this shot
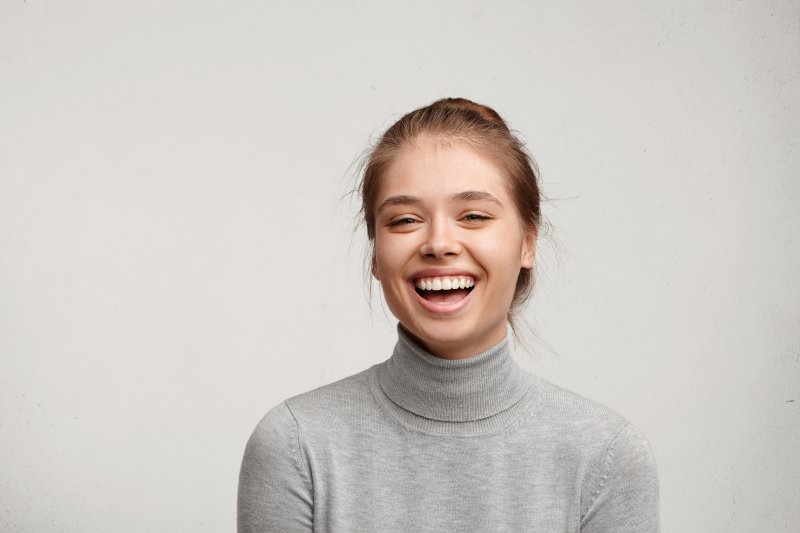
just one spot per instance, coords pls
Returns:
(624, 493)
(275, 492)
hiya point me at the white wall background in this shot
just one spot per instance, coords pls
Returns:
(175, 258)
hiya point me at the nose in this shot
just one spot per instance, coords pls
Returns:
(440, 240)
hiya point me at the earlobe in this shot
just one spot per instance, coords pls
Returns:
(374, 269)
(528, 250)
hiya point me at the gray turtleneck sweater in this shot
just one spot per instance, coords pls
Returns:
(424, 444)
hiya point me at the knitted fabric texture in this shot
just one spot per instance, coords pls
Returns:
(425, 444)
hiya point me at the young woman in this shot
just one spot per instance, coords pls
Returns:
(449, 433)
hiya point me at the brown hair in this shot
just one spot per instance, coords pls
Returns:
(482, 129)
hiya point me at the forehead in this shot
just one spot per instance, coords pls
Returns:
(429, 167)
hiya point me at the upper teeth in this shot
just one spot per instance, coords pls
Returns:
(445, 283)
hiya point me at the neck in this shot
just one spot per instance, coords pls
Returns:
(453, 390)
(461, 349)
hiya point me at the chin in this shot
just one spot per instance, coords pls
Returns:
(446, 336)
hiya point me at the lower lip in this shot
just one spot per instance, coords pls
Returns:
(441, 308)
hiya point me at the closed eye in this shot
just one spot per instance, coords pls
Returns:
(399, 222)
(475, 217)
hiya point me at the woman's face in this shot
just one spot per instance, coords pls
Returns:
(449, 246)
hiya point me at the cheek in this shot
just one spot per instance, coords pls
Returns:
(387, 258)
(502, 253)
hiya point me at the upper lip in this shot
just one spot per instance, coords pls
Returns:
(441, 272)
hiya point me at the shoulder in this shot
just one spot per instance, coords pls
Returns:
(591, 423)
(274, 439)
(335, 405)
(341, 397)
(621, 492)
(275, 487)
(282, 430)
(578, 418)
(619, 468)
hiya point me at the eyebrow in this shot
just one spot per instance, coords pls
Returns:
(401, 199)
(465, 196)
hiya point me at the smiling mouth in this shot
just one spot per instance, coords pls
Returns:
(445, 289)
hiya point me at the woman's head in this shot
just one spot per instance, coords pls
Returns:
(449, 189)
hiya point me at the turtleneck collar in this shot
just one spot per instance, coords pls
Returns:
(458, 390)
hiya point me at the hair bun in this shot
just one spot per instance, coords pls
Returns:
(462, 104)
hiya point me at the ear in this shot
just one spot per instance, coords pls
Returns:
(528, 252)
(374, 268)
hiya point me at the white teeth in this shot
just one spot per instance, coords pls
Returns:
(445, 283)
